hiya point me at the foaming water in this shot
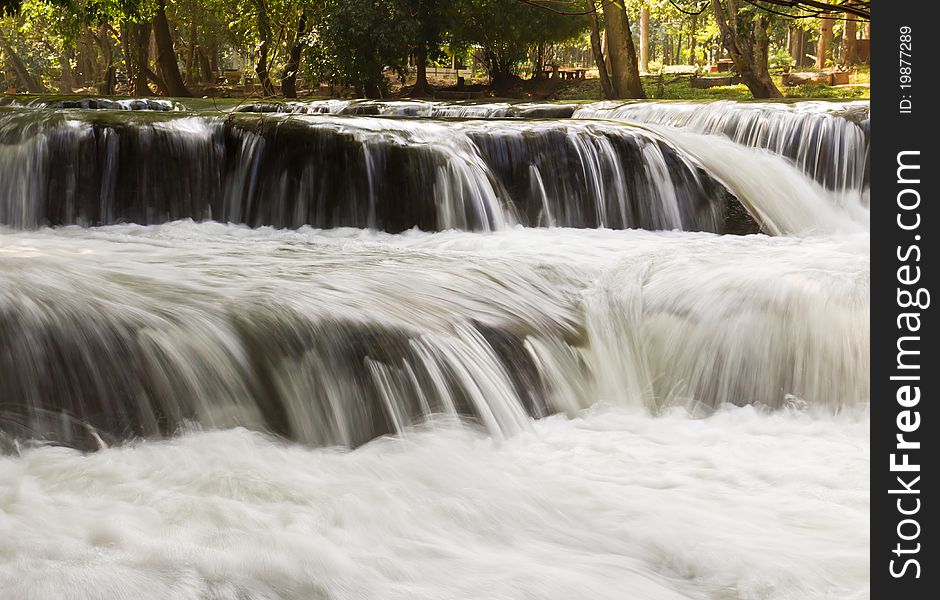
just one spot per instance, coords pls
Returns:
(55, 102)
(336, 337)
(827, 140)
(611, 503)
(334, 171)
(535, 402)
(772, 189)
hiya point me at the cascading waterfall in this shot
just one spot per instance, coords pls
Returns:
(828, 140)
(53, 102)
(351, 348)
(459, 301)
(389, 174)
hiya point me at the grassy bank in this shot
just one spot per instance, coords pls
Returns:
(676, 88)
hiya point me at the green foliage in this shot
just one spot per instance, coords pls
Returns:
(501, 32)
(781, 59)
(682, 90)
(355, 40)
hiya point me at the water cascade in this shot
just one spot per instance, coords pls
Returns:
(354, 349)
(337, 338)
(391, 174)
(828, 140)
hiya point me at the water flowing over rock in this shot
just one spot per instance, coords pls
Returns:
(97, 168)
(337, 338)
(827, 140)
(53, 102)
(144, 319)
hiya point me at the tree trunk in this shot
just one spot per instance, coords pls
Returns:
(67, 81)
(204, 66)
(598, 52)
(825, 41)
(745, 37)
(538, 66)
(289, 81)
(625, 72)
(191, 55)
(127, 52)
(166, 56)
(371, 89)
(849, 54)
(33, 85)
(140, 57)
(605, 50)
(793, 43)
(644, 39)
(692, 41)
(103, 41)
(86, 60)
(421, 87)
(264, 33)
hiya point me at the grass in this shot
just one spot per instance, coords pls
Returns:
(590, 89)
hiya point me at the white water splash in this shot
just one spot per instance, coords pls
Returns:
(359, 328)
(611, 505)
(775, 192)
(827, 140)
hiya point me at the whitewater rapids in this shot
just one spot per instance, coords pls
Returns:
(195, 410)
(629, 493)
(610, 505)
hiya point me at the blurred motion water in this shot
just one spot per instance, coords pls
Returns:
(349, 350)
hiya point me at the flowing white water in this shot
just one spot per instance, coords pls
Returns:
(611, 505)
(772, 189)
(573, 413)
(827, 140)
(339, 332)
(78, 167)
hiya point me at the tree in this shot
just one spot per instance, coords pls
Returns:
(825, 41)
(433, 18)
(289, 82)
(744, 34)
(166, 55)
(625, 72)
(644, 39)
(597, 50)
(849, 45)
(356, 40)
(502, 31)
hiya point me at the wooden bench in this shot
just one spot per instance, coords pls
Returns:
(566, 73)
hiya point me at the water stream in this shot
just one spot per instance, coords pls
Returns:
(421, 350)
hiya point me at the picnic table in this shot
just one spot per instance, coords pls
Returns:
(555, 72)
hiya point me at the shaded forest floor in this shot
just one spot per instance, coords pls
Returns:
(667, 87)
(680, 88)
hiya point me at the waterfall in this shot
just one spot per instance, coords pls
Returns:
(333, 171)
(335, 338)
(772, 188)
(827, 140)
(416, 349)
